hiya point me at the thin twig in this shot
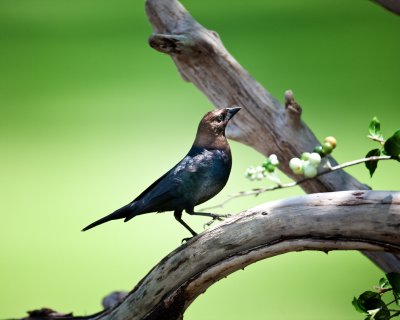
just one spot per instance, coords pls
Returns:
(258, 191)
(389, 303)
(380, 140)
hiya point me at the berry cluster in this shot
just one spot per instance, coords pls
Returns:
(308, 163)
(327, 147)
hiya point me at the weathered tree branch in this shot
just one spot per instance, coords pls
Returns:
(348, 220)
(264, 124)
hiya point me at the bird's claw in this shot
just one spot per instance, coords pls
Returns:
(218, 217)
(209, 223)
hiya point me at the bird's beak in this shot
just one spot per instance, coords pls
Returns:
(231, 112)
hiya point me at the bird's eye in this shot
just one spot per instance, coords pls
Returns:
(220, 118)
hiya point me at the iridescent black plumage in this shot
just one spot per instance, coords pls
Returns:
(198, 177)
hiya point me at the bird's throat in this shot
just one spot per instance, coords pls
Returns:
(211, 142)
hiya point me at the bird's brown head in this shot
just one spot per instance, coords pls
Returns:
(211, 131)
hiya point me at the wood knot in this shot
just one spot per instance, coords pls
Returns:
(387, 200)
(114, 298)
(170, 43)
(291, 106)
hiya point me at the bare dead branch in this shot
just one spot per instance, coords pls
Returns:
(263, 124)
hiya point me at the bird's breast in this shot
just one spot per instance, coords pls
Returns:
(203, 174)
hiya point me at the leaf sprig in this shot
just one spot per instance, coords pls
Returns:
(371, 304)
(389, 147)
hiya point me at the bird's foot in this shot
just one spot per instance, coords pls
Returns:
(215, 217)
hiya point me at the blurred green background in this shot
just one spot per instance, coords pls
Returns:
(90, 116)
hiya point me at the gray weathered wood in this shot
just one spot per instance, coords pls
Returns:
(347, 220)
(263, 123)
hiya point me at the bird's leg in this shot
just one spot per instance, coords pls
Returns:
(214, 216)
(178, 217)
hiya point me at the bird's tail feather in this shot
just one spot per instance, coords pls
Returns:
(117, 214)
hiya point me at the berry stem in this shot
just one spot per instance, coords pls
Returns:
(258, 191)
(380, 140)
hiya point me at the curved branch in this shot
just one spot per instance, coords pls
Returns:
(347, 220)
(362, 220)
(264, 124)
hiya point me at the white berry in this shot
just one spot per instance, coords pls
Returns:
(296, 165)
(310, 171)
(274, 160)
(314, 159)
(305, 156)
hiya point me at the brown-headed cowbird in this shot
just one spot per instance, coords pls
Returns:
(198, 177)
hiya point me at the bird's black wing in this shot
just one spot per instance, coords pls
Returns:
(153, 185)
(169, 192)
(191, 153)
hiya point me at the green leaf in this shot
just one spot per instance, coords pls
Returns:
(392, 145)
(394, 280)
(357, 306)
(371, 304)
(375, 128)
(372, 165)
(369, 300)
(367, 295)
